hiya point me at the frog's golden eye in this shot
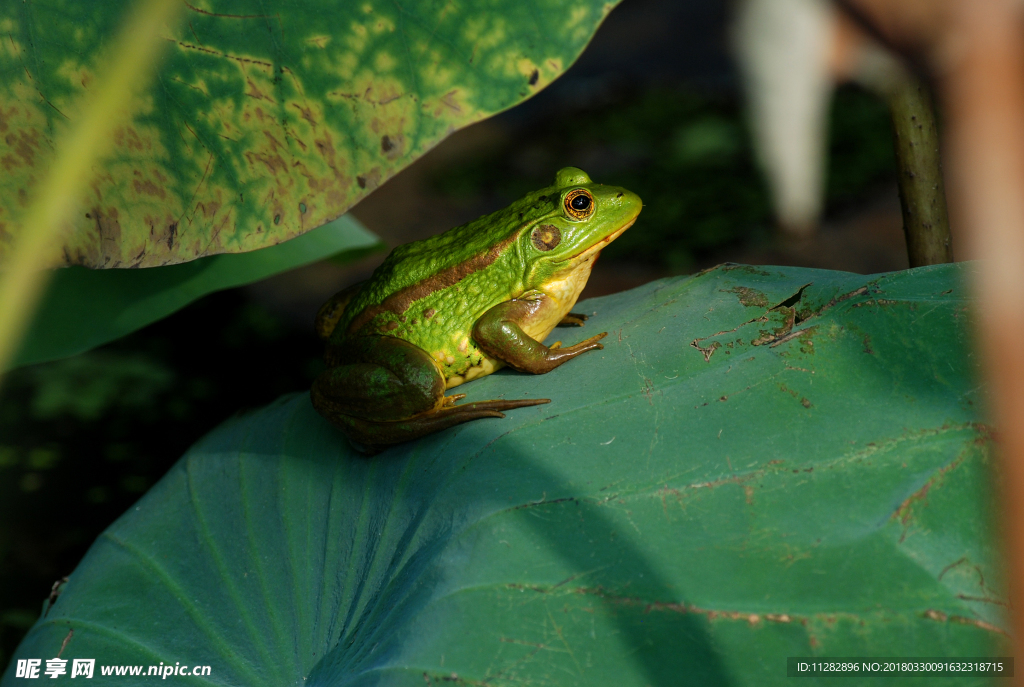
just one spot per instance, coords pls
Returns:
(545, 237)
(579, 204)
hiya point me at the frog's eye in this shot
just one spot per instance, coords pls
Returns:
(545, 237)
(579, 204)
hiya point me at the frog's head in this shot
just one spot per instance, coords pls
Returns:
(586, 217)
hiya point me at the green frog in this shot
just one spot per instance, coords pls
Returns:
(454, 307)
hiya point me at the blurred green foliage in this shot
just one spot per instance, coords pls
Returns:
(689, 156)
(82, 438)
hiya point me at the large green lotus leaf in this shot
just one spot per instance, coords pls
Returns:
(84, 308)
(672, 517)
(265, 120)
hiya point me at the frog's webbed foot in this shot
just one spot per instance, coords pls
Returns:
(492, 406)
(573, 319)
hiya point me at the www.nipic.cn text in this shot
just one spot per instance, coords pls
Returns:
(86, 667)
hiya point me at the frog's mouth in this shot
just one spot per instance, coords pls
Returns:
(597, 247)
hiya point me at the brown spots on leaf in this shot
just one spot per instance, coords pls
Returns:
(306, 113)
(128, 137)
(328, 153)
(201, 86)
(392, 147)
(24, 143)
(534, 77)
(450, 103)
(708, 351)
(941, 617)
(253, 91)
(270, 161)
(208, 209)
(226, 223)
(919, 499)
(428, 313)
(750, 298)
(147, 187)
(278, 152)
(107, 248)
(236, 58)
(370, 180)
(5, 116)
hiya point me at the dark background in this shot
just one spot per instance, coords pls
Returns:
(653, 105)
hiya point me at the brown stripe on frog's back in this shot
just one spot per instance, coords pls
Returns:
(402, 300)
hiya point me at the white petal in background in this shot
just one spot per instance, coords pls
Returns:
(791, 53)
(783, 47)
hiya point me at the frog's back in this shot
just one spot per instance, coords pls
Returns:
(430, 292)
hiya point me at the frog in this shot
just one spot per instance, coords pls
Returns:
(448, 309)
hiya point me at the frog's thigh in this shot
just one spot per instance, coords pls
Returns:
(379, 378)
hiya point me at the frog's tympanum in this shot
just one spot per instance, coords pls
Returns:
(458, 306)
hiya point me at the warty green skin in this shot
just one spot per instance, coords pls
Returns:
(453, 297)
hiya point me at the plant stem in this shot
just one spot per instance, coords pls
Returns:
(922, 193)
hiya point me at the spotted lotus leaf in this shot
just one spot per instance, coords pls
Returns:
(265, 120)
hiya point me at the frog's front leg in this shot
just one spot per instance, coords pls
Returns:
(380, 390)
(500, 334)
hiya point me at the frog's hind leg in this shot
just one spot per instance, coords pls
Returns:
(373, 437)
(378, 378)
(392, 392)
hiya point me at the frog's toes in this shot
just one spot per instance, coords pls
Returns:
(491, 406)
(588, 344)
(596, 337)
(573, 319)
(452, 400)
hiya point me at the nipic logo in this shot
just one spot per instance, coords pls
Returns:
(29, 667)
